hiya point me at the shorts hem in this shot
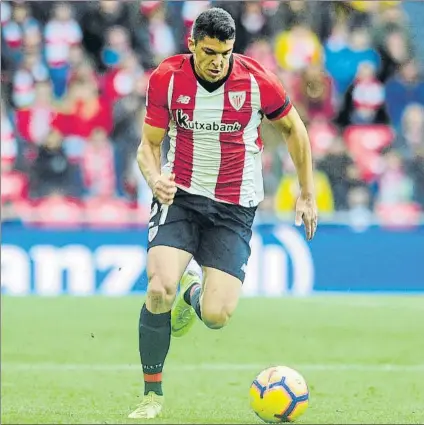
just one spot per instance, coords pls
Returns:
(221, 269)
(170, 246)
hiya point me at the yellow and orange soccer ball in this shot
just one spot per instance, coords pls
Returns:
(279, 394)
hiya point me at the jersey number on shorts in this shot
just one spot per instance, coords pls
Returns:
(153, 227)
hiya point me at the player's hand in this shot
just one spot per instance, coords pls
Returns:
(164, 189)
(306, 211)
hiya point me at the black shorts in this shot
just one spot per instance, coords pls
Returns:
(215, 233)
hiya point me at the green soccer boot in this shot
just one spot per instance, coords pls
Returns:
(183, 315)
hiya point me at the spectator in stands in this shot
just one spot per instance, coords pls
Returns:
(17, 25)
(318, 16)
(252, 24)
(298, 48)
(416, 170)
(77, 57)
(6, 13)
(33, 43)
(99, 165)
(61, 32)
(84, 111)
(313, 94)
(341, 171)
(360, 214)
(7, 59)
(31, 70)
(288, 190)
(272, 172)
(343, 57)
(34, 122)
(411, 134)
(78, 66)
(359, 13)
(9, 144)
(53, 171)
(405, 88)
(372, 8)
(128, 111)
(116, 47)
(392, 40)
(121, 80)
(97, 21)
(84, 71)
(394, 185)
(14, 183)
(364, 101)
(139, 12)
(261, 50)
(162, 42)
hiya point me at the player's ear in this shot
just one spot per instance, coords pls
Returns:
(191, 44)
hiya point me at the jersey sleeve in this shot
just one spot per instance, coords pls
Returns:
(274, 100)
(157, 111)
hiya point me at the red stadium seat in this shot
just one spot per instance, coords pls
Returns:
(58, 211)
(106, 212)
(321, 134)
(365, 142)
(14, 186)
(370, 137)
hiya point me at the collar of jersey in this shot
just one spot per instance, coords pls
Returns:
(207, 85)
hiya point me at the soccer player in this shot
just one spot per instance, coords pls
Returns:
(211, 102)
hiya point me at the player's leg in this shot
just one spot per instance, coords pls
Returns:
(183, 315)
(223, 253)
(165, 266)
(217, 300)
(172, 239)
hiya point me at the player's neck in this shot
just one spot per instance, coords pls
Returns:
(207, 85)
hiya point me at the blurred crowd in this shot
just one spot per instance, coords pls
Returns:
(74, 77)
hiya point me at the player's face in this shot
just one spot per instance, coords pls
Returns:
(211, 57)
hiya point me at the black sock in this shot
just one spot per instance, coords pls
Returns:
(192, 297)
(154, 341)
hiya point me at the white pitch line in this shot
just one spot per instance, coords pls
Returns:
(5, 366)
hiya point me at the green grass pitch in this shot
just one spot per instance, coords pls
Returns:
(75, 360)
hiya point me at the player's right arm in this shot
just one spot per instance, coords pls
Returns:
(148, 158)
(154, 129)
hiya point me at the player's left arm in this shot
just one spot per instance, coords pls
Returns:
(294, 132)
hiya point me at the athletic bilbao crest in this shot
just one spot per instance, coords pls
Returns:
(237, 99)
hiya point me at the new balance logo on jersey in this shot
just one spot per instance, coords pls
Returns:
(183, 120)
(185, 100)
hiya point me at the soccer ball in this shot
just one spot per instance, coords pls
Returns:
(279, 394)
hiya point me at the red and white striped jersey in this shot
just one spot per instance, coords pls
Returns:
(215, 144)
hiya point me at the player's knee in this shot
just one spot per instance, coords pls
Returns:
(215, 318)
(156, 288)
(161, 288)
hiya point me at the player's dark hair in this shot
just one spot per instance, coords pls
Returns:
(214, 23)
